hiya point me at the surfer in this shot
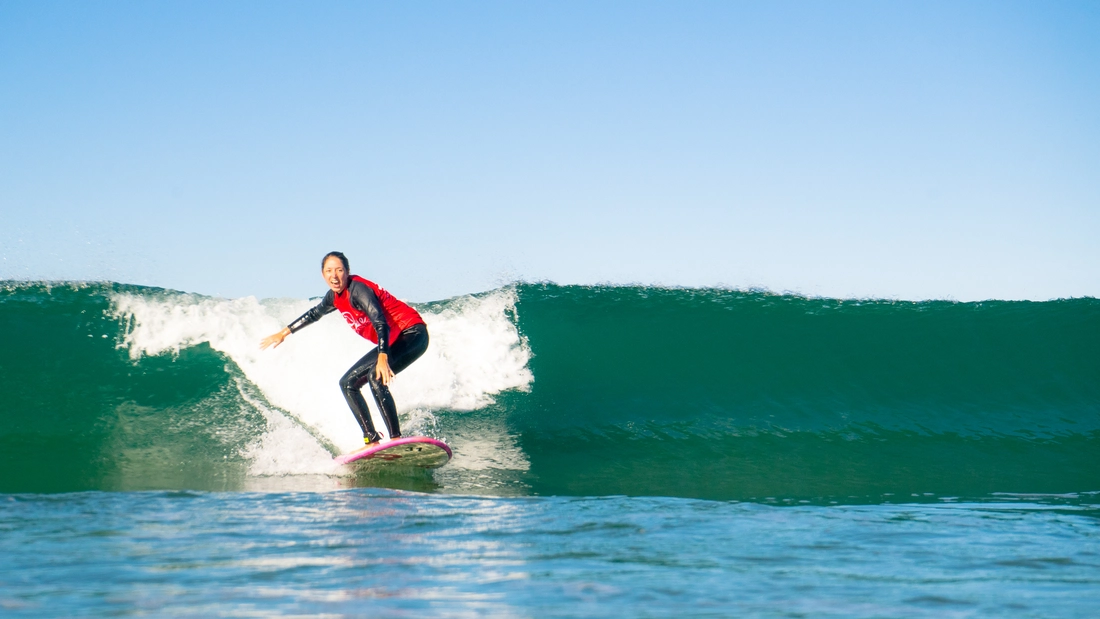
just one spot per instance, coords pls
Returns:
(376, 315)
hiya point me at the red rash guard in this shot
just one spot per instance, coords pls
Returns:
(369, 310)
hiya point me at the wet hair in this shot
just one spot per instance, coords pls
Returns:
(336, 254)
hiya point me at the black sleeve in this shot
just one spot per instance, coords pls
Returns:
(314, 314)
(367, 302)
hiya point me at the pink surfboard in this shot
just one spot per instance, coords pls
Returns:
(421, 451)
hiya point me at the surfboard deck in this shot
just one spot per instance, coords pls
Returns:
(420, 451)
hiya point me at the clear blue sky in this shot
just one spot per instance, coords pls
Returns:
(905, 149)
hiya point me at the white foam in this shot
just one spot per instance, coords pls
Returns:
(475, 353)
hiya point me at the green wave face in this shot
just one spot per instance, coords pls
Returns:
(78, 414)
(726, 394)
(646, 391)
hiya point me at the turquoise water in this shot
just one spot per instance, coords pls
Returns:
(389, 553)
(619, 451)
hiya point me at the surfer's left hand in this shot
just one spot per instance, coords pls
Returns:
(382, 369)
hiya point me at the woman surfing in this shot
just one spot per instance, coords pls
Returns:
(375, 314)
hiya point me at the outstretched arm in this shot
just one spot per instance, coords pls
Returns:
(313, 315)
(275, 339)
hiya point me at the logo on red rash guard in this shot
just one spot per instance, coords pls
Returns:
(399, 316)
(353, 321)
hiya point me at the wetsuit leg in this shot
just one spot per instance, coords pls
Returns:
(408, 347)
(351, 383)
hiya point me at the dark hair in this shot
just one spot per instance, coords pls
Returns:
(337, 254)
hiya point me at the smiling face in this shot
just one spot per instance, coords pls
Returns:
(335, 275)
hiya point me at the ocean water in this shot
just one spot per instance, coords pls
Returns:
(619, 451)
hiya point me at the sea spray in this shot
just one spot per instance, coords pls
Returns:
(475, 352)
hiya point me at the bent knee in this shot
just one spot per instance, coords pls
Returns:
(354, 379)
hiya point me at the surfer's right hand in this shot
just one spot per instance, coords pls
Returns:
(274, 339)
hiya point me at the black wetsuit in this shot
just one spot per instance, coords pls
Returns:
(409, 345)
